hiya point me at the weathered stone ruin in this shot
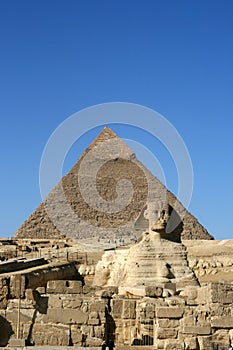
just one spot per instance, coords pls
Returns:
(142, 286)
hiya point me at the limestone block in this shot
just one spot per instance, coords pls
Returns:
(117, 308)
(169, 312)
(88, 289)
(222, 322)
(64, 287)
(76, 335)
(129, 309)
(99, 331)
(25, 304)
(92, 341)
(17, 286)
(165, 333)
(231, 336)
(54, 301)
(206, 343)
(71, 303)
(26, 315)
(56, 287)
(66, 316)
(199, 330)
(53, 335)
(222, 293)
(159, 344)
(190, 343)
(93, 318)
(87, 330)
(221, 337)
(220, 309)
(41, 290)
(102, 317)
(167, 323)
(188, 320)
(109, 292)
(16, 343)
(129, 291)
(203, 295)
(154, 291)
(150, 311)
(171, 287)
(173, 344)
(3, 313)
(98, 306)
(190, 294)
(29, 294)
(175, 301)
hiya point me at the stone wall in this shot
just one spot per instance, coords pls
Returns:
(200, 318)
(67, 314)
(60, 315)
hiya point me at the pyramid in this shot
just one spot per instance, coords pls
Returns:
(104, 196)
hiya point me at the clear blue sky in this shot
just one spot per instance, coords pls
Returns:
(176, 57)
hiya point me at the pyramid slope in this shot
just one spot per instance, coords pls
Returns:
(81, 220)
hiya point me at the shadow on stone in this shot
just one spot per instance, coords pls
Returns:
(110, 328)
(41, 307)
(174, 221)
(5, 331)
(145, 340)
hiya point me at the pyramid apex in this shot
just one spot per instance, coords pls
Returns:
(107, 133)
